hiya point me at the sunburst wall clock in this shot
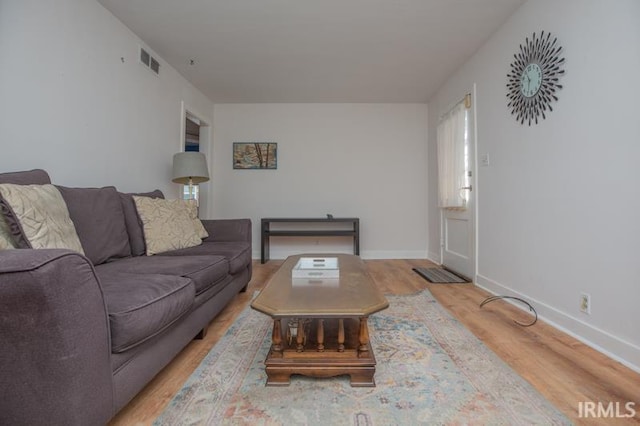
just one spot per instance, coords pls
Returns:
(533, 79)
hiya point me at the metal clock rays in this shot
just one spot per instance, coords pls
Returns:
(530, 94)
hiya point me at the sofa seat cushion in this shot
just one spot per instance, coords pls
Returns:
(141, 306)
(205, 271)
(99, 220)
(238, 253)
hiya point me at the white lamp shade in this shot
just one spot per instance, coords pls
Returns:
(190, 167)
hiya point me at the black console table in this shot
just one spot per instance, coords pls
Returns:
(266, 231)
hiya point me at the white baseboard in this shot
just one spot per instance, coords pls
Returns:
(365, 254)
(393, 254)
(434, 257)
(612, 346)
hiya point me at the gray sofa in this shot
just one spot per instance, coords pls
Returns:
(80, 336)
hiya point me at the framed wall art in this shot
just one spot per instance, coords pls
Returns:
(255, 155)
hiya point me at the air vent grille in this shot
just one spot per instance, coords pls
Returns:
(149, 61)
(144, 57)
(154, 66)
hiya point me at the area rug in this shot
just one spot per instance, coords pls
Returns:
(439, 276)
(431, 370)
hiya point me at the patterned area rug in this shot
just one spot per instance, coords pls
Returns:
(431, 370)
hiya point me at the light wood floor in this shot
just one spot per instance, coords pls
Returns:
(561, 368)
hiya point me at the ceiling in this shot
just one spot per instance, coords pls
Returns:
(255, 51)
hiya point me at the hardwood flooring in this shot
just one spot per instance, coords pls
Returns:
(561, 368)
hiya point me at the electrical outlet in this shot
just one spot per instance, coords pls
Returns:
(585, 303)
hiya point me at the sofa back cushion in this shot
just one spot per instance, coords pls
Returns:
(29, 177)
(99, 220)
(38, 217)
(133, 222)
(36, 177)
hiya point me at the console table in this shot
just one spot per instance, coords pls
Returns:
(267, 232)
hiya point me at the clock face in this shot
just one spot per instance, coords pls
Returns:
(531, 80)
(534, 78)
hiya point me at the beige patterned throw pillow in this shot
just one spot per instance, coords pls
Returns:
(42, 215)
(192, 209)
(167, 224)
(6, 242)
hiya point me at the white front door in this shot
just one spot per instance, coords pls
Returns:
(458, 224)
(458, 251)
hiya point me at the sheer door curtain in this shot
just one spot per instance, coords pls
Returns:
(453, 159)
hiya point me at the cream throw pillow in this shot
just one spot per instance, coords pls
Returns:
(43, 216)
(6, 242)
(192, 209)
(167, 224)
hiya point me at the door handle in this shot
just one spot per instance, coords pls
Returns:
(470, 188)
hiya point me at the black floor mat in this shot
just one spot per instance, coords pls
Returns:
(439, 275)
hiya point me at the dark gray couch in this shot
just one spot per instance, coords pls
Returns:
(80, 336)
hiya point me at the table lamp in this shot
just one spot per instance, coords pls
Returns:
(190, 168)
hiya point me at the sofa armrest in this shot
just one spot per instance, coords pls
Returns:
(228, 230)
(55, 365)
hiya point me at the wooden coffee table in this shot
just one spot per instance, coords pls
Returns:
(320, 325)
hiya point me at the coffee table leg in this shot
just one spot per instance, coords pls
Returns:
(363, 378)
(278, 378)
(276, 338)
(363, 337)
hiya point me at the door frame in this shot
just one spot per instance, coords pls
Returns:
(206, 147)
(473, 214)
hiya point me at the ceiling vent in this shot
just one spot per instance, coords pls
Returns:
(149, 61)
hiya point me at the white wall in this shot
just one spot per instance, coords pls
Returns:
(558, 204)
(70, 105)
(362, 160)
